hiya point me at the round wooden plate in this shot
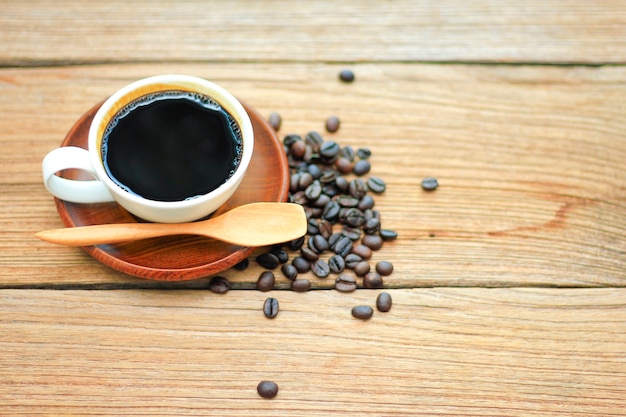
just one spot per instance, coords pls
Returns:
(178, 258)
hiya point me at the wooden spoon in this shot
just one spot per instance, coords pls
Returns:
(255, 224)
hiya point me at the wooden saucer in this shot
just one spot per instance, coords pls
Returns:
(178, 258)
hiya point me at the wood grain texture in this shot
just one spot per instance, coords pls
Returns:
(438, 352)
(553, 31)
(530, 162)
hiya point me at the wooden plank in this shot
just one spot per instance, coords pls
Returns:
(530, 162)
(488, 352)
(553, 31)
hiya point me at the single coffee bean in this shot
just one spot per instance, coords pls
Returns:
(430, 184)
(267, 389)
(219, 285)
(298, 149)
(376, 185)
(294, 182)
(363, 153)
(281, 254)
(270, 307)
(315, 171)
(357, 188)
(242, 265)
(331, 211)
(361, 167)
(383, 302)
(332, 124)
(265, 282)
(289, 271)
(362, 268)
(320, 268)
(342, 184)
(336, 264)
(275, 121)
(347, 201)
(352, 260)
(366, 203)
(296, 244)
(312, 227)
(329, 150)
(328, 177)
(268, 260)
(354, 217)
(332, 240)
(301, 264)
(319, 244)
(354, 233)
(313, 191)
(309, 254)
(300, 285)
(372, 280)
(371, 214)
(371, 226)
(388, 235)
(343, 246)
(384, 268)
(363, 251)
(325, 228)
(304, 180)
(345, 283)
(314, 140)
(344, 166)
(322, 200)
(290, 139)
(374, 242)
(362, 312)
(347, 76)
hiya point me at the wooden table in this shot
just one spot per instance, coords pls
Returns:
(509, 284)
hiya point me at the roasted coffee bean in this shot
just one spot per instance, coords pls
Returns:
(298, 149)
(268, 260)
(309, 254)
(366, 203)
(290, 139)
(357, 188)
(363, 153)
(362, 312)
(325, 228)
(354, 217)
(347, 76)
(304, 180)
(318, 243)
(374, 242)
(371, 226)
(266, 281)
(372, 280)
(332, 124)
(371, 214)
(352, 260)
(300, 285)
(332, 240)
(336, 264)
(301, 264)
(313, 191)
(344, 166)
(348, 153)
(363, 251)
(388, 235)
(315, 171)
(430, 184)
(289, 271)
(296, 244)
(281, 254)
(267, 389)
(376, 185)
(345, 283)
(354, 233)
(219, 285)
(299, 198)
(294, 182)
(361, 167)
(331, 211)
(343, 246)
(312, 227)
(330, 189)
(270, 307)
(242, 265)
(275, 121)
(329, 150)
(314, 140)
(362, 268)
(383, 302)
(384, 268)
(320, 268)
(321, 201)
(342, 184)
(347, 201)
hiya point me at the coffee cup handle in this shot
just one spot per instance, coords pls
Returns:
(75, 191)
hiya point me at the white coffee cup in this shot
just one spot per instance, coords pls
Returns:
(104, 189)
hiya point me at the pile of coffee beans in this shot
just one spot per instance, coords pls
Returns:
(344, 228)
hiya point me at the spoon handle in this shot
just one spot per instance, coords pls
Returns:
(107, 233)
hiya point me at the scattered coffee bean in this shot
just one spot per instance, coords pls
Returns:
(363, 251)
(300, 285)
(362, 312)
(372, 280)
(363, 153)
(242, 265)
(298, 149)
(376, 185)
(357, 188)
(318, 243)
(352, 260)
(320, 268)
(270, 307)
(372, 226)
(275, 121)
(362, 268)
(361, 167)
(301, 264)
(388, 235)
(345, 283)
(219, 285)
(343, 246)
(266, 281)
(352, 233)
(384, 268)
(374, 242)
(267, 260)
(383, 302)
(332, 124)
(289, 271)
(366, 203)
(347, 76)
(336, 264)
(314, 140)
(309, 254)
(267, 389)
(430, 184)
(344, 166)
(281, 254)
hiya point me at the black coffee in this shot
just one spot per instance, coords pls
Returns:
(171, 146)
